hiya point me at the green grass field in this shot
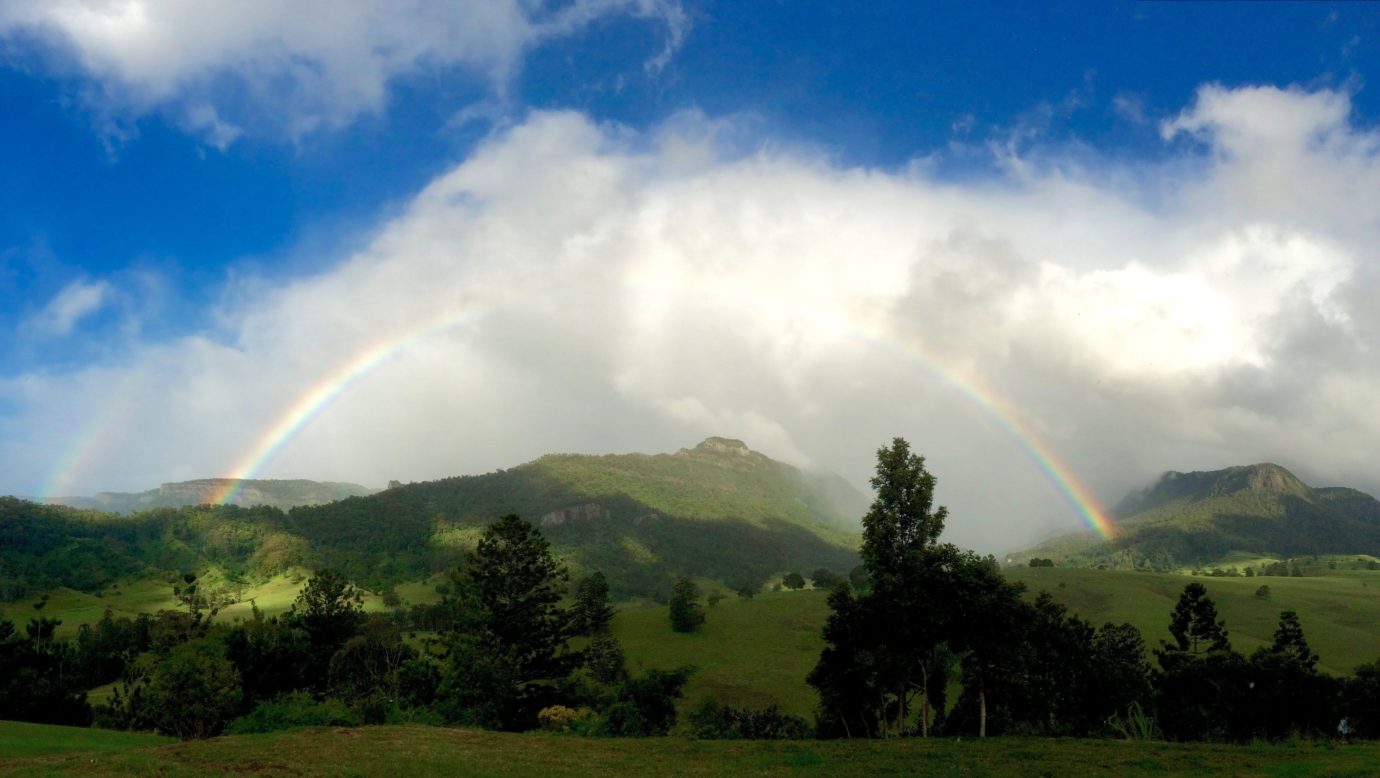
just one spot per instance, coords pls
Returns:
(749, 652)
(19, 740)
(422, 751)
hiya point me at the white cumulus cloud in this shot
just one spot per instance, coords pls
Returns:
(573, 286)
(293, 67)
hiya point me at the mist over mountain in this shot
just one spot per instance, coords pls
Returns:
(245, 492)
(1200, 517)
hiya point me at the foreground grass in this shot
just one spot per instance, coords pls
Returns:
(18, 740)
(421, 751)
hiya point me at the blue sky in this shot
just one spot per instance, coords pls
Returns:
(182, 185)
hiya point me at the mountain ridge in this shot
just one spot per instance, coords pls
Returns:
(1198, 517)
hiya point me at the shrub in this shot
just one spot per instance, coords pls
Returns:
(712, 721)
(297, 709)
(559, 718)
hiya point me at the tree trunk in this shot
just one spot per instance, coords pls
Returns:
(924, 701)
(982, 711)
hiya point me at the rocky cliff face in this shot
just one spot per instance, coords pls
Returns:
(586, 512)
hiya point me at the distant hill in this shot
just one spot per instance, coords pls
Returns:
(1186, 519)
(276, 493)
(717, 511)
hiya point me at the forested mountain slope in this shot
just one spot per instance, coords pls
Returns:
(718, 511)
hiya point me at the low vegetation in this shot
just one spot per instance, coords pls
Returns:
(428, 751)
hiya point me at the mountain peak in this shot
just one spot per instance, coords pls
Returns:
(717, 445)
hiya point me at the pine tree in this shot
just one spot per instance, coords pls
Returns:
(1289, 641)
(686, 612)
(1194, 624)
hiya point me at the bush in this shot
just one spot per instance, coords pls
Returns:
(646, 706)
(559, 718)
(793, 581)
(297, 709)
(712, 721)
(825, 579)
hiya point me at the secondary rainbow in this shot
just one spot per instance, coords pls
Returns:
(315, 400)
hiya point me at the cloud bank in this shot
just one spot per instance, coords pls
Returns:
(292, 68)
(579, 287)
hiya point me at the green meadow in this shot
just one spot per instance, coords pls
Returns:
(425, 751)
(748, 652)
(1339, 610)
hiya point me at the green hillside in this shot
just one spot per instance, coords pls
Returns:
(719, 511)
(1340, 610)
(1195, 519)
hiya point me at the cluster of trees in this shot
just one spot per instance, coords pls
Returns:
(503, 651)
(929, 611)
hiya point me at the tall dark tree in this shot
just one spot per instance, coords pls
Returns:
(330, 610)
(989, 629)
(1289, 641)
(1203, 683)
(881, 653)
(1194, 624)
(592, 612)
(1361, 701)
(1288, 696)
(508, 635)
(686, 613)
(39, 681)
(902, 519)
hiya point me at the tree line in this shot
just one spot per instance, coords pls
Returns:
(507, 650)
(930, 611)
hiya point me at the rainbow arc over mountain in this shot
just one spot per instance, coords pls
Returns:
(316, 399)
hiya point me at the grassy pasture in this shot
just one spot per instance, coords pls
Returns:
(19, 740)
(749, 652)
(1340, 612)
(421, 751)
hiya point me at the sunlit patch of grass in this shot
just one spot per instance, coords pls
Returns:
(749, 652)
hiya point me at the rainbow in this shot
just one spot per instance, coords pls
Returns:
(312, 403)
(91, 439)
(316, 399)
